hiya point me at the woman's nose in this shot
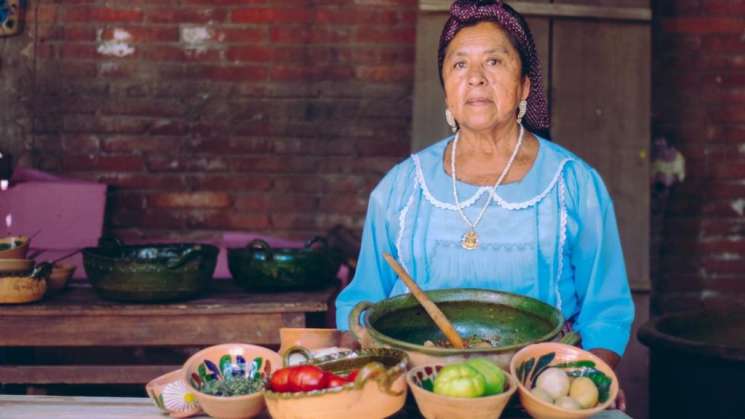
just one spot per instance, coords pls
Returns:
(476, 77)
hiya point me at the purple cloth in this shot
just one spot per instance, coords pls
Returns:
(470, 12)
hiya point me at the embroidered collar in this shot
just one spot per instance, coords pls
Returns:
(530, 190)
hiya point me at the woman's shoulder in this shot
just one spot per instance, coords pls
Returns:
(578, 174)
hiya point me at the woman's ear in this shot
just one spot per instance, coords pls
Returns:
(526, 88)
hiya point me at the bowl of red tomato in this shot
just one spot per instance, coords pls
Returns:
(367, 383)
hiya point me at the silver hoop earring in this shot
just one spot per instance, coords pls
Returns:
(523, 109)
(451, 120)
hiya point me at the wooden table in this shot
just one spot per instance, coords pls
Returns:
(78, 318)
(24, 407)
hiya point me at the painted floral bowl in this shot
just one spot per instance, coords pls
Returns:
(435, 406)
(531, 361)
(379, 390)
(219, 364)
(172, 395)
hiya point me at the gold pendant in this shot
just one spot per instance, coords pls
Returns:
(470, 240)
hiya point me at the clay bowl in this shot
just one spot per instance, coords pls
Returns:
(435, 406)
(211, 364)
(172, 395)
(61, 273)
(378, 392)
(13, 247)
(16, 267)
(21, 289)
(531, 355)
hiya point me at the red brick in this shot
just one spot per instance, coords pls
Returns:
(269, 164)
(270, 15)
(282, 73)
(140, 181)
(229, 220)
(102, 14)
(303, 184)
(143, 34)
(294, 221)
(148, 218)
(242, 35)
(233, 183)
(190, 200)
(180, 54)
(73, 33)
(255, 54)
(140, 144)
(117, 163)
(186, 164)
(301, 34)
(180, 15)
(232, 145)
(385, 73)
(383, 35)
(81, 143)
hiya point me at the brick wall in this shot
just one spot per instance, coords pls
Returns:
(699, 103)
(210, 115)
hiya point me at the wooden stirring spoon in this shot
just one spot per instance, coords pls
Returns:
(430, 307)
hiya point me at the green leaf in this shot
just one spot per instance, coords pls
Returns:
(202, 371)
(528, 368)
(542, 364)
(256, 368)
(226, 365)
(576, 364)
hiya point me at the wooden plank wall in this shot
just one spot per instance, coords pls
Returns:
(596, 61)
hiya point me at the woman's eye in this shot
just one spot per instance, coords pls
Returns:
(459, 65)
(493, 61)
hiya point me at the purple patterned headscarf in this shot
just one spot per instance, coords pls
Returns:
(465, 13)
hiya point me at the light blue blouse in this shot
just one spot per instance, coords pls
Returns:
(552, 236)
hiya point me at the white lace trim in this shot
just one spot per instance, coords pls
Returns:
(562, 240)
(402, 227)
(484, 189)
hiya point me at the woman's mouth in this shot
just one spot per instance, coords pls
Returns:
(478, 101)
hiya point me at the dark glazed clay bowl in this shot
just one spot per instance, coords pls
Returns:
(510, 321)
(150, 272)
(259, 267)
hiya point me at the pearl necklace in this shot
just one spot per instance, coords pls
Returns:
(470, 239)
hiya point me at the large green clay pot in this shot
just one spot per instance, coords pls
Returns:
(150, 273)
(511, 321)
(260, 268)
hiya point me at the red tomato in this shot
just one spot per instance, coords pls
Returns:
(333, 380)
(352, 375)
(306, 378)
(279, 382)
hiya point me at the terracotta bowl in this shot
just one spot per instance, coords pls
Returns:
(309, 338)
(61, 273)
(21, 289)
(172, 395)
(211, 364)
(15, 267)
(18, 249)
(378, 392)
(532, 354)
(435, 406)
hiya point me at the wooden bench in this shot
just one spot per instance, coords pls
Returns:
(78, 319)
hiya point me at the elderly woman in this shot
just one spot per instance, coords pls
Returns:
(497, 206)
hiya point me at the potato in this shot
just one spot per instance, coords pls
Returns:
(585, 392)
(554, 381)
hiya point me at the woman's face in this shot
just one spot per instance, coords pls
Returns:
(483, 81)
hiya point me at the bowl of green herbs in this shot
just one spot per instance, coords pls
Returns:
(229, 379)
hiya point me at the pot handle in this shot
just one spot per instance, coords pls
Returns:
(317, 239)
(191, 253)
(42, 270)
(359, 331)
(571, 338)
(262, 245)
(293, 350)
(385, 378)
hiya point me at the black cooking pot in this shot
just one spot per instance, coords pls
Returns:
(150, 272)
(259, 267)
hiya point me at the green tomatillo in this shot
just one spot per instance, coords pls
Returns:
(459, 380)
(494, 377)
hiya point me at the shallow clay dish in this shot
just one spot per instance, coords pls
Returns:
(524, 367)
(21, 289)
(13, 247)
(61, 274)
(16, 267)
